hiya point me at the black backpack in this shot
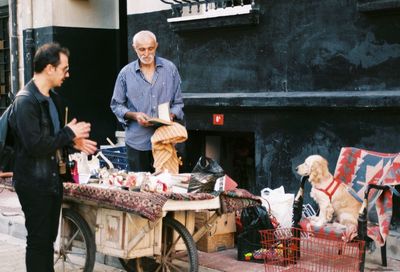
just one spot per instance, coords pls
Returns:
(7, 139)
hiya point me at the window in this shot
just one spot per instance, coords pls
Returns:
(197, 14)
(378, 5)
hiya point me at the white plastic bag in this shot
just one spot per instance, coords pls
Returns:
(281, 205)
(83, 166)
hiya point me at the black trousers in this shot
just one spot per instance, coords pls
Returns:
(42, 214)
(139, 161)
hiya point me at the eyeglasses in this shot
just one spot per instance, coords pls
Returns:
(64, 70)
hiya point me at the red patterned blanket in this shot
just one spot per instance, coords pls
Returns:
(357, 168)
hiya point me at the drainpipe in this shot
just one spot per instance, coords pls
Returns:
(14, 50)
(123, 34)
(29, 45)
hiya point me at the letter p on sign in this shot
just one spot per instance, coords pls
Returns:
(218, 119)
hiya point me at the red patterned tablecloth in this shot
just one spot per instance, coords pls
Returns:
(148, 205)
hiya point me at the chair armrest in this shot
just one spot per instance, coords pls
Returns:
(298, 202)
(362, 215)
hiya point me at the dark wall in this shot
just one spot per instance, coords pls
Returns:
(297, 46)
(285, 137)
(94, 64)
(302, 59)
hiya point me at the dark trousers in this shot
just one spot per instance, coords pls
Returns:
(42, 214)
(139, 161)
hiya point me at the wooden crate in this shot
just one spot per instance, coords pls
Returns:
(216, 242)
(117, 231)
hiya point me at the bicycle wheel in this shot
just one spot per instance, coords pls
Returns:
(170, 259)
(77, 250)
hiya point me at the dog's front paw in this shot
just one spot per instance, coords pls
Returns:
(317, 221)
(350, 233)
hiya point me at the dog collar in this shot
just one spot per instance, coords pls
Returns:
(331, 189)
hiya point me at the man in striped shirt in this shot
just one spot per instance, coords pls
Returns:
(140, 87)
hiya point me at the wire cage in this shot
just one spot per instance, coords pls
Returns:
(116, 155)
(294, 249)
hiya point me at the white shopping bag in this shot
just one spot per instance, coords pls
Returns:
(281, 205)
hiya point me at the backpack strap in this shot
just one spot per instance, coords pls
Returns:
(24, 93)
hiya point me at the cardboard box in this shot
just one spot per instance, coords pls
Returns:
(221, 236)
(224, 224)
(216, 242)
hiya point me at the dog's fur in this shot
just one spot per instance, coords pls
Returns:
(343, 205)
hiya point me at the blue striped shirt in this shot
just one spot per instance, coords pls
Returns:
(132, 92)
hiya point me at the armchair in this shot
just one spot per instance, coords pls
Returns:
(370, 177)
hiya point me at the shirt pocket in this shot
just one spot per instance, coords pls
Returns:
(136, 98)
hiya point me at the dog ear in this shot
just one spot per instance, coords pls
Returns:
(316, 172)
(324, 168)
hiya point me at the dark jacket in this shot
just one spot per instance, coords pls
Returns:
(35, 166)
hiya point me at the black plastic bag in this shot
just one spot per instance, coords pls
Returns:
(253, 219)
(204, 175)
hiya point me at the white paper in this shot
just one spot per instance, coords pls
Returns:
(163, 111)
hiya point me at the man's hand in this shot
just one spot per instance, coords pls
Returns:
(85, 145)
(80, 129)
(140, 117)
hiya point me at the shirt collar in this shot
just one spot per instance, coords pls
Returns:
(136, 65)
(31, 87)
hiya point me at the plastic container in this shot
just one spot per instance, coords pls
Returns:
(116, 155)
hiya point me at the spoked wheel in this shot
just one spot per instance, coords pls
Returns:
(77, 250)
(170, 259)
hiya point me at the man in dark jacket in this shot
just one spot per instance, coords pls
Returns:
(37, 122)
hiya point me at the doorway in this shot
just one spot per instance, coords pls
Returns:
(234, 152)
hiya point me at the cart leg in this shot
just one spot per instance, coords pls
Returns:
(139, 265)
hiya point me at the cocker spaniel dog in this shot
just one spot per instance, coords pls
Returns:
(332, 196)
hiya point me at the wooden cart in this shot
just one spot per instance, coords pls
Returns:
(165, 244)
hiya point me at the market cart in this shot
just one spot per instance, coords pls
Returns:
(147, 231)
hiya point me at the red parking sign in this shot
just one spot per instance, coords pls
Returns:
(218, 119)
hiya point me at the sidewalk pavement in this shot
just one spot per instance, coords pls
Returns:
(13, 235)
(13, 238)
(12, 256)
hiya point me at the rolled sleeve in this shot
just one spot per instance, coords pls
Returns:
(177, 101)
(118, 101)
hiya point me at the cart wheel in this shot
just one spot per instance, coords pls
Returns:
(77, 250)
(170, 260)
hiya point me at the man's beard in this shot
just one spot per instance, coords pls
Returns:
(147, 60)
